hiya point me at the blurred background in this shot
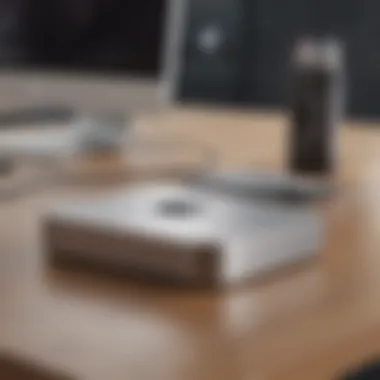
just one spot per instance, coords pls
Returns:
(231, 52)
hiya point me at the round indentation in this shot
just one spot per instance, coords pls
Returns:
(178, 208)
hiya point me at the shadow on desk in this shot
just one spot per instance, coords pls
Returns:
(13, 367)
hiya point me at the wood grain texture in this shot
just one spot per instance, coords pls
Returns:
(310, 323)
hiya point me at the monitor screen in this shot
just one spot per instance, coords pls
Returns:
(121, 36)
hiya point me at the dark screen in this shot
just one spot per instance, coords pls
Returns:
(105, 35)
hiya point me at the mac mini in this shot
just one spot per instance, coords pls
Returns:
(181, 232)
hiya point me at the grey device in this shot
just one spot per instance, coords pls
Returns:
(317, 77)
(177, 232)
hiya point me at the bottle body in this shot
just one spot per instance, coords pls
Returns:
(317, 106)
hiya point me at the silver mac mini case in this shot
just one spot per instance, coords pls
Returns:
(182, 233)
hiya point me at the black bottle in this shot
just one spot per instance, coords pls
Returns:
(317, 105)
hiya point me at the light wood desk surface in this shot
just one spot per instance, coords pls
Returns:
(303, 325)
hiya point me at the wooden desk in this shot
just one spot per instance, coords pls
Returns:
(305, 325)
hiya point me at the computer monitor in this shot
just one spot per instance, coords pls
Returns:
(85, 53)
